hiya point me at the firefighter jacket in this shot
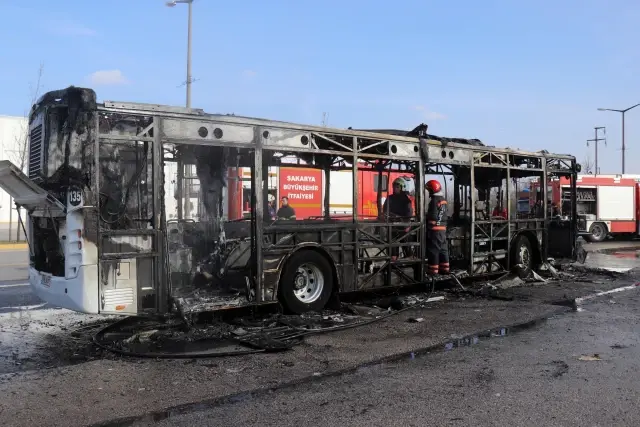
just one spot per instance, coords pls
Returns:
(437, 214)
(399, 205)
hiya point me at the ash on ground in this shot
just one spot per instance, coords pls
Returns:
(40, 338)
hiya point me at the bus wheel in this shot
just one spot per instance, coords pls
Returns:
(522, 259)
(306, 283)
(598, 232)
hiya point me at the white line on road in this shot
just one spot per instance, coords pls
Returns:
(612, 291)
(14, 285)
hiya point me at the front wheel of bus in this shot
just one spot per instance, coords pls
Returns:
(306, 283)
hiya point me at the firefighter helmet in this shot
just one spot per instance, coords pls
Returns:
(400, 182)
(433, 186)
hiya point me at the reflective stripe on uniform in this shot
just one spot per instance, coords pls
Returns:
(431, 225)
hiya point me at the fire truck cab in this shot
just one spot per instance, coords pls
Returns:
(607, 205)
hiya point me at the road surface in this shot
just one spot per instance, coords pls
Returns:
(523, 379)
(577, 369)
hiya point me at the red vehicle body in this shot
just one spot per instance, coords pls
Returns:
(368, 187)
(304, 187)
(606, 204)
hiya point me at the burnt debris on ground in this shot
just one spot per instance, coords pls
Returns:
(247, 333)
(253, 332)
(68, 341)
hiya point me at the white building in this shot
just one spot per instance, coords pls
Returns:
(13, 136)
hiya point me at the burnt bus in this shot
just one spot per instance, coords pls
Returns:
(127, 208)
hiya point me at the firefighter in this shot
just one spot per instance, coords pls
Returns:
(436, 244)
(398, 207)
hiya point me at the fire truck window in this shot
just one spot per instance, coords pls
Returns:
(385, 183)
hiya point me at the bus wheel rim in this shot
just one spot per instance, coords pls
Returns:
(524, 255)
(308, 283)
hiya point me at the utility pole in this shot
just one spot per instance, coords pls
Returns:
(623, 112)
(596, 140)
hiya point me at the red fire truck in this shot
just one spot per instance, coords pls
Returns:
(606, 204)
(304, 187)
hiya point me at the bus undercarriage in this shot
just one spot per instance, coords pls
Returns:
(128, 208)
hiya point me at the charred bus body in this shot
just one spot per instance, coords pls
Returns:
(127, 214)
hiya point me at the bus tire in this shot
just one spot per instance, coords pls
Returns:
(522, 257)
(597, 232)
(306, 283)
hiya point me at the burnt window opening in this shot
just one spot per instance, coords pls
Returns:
(48, 256)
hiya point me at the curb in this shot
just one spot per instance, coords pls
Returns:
(12, 246)
(241, 396)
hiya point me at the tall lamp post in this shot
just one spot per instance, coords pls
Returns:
(180, 183)
(621, 111)
(190, 4)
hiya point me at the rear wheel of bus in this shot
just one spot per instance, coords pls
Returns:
(306, 282)
(522, 256)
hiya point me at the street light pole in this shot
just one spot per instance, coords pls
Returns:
(180, 182)
(623, 112)
(189, 79)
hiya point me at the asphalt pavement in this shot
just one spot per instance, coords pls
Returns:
(530, 378)
(575, 370)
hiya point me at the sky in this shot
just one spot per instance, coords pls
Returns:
(528, 75)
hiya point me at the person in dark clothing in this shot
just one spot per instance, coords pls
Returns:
(397, 207)
(398, 204)
(436, 243)
(286, 211)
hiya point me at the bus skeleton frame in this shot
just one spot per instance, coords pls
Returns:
(168, 132)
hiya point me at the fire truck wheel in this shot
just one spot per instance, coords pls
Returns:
(522, 256)
(306, 283)
(598, 232)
